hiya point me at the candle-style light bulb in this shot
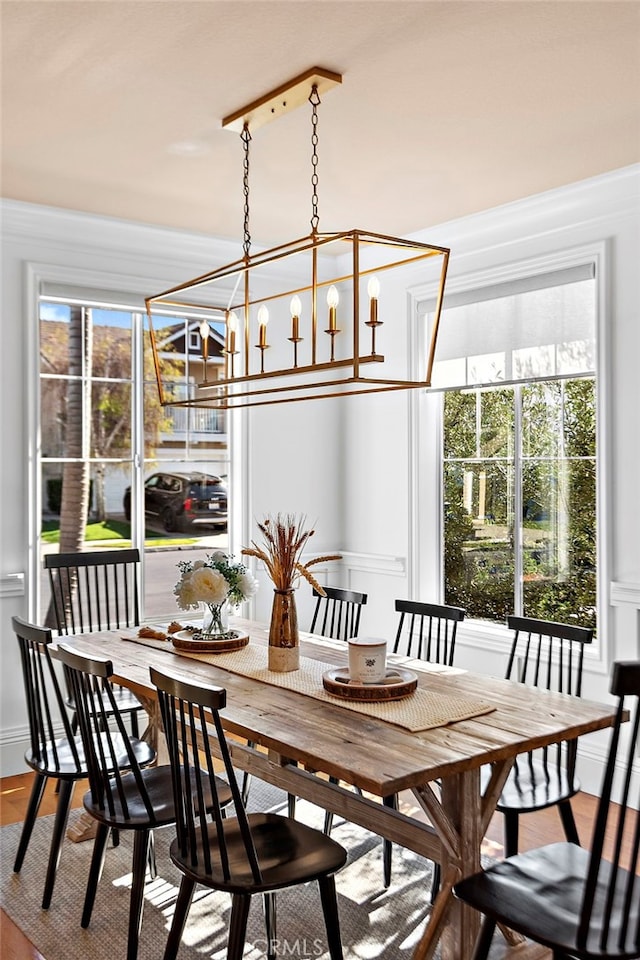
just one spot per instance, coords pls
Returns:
(333, 299)
(295, 308)
(373, 289)
(232, 326)
(204, 329)
(263, 320)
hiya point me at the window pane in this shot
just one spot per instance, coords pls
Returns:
(479, 568)
(110, 421)
(53, 406)
(111, 343)
(186, 464)
(542, 419)
(54, 338)
(460, 425)
(496, 423)
(559, 508)
(580, 418)
(478, 509)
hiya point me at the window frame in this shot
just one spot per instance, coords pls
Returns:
(118, 292)
(426, 533)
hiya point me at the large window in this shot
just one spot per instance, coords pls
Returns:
(115, 467)
(517, 371)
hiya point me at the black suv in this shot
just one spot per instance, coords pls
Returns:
(181, 501)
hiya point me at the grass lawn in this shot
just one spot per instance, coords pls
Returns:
(116, 532)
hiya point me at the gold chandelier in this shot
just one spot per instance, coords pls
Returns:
(322, 320)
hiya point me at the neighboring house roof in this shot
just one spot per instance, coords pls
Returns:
(173, 340)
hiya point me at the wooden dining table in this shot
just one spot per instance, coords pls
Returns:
(297, 742)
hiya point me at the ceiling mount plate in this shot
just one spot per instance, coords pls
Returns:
(289, 96)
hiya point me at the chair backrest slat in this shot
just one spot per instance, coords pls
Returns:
(427, 631)
(191, 720)
(48, 719)
(610, 911)
(98, 590)
(109, 751)
(337, 615)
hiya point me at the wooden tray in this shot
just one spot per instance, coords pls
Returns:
(189, 642)
(398, 683)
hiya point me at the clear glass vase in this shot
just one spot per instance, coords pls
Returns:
(215, 622)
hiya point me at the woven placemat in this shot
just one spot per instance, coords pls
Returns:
(423, 710)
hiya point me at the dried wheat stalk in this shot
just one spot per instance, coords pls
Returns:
(284, 540)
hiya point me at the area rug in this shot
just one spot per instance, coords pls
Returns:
(374, 922)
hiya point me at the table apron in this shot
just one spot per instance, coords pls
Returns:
(391, 824)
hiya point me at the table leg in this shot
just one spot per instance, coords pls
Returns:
(154, 733)
(458, 819)
(461, 797)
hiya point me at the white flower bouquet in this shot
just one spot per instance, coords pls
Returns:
(214, 581)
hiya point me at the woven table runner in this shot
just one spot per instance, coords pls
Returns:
(421, 710)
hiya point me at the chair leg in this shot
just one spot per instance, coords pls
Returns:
(328, 817)
(246, 779)
(510, 834)
(135, 728)
(435, 882)
(331, 919)
(269, 906)
(483, 943)
(568, 822)
(59, 827)
(151, 858)
(291, 805)
(140, 857)
(183, 903)
(37, 790)
(95, 872)
(240, 903)
(387, 846)
(246, 783)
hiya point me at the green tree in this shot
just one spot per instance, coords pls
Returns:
(557, 527)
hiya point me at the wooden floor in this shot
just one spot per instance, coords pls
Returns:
(535, 830)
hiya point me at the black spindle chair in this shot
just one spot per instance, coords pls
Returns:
(124, 794)
(242, 855)
(337, 614)
(548, 656)
(426, 631)
(98, 590)
(563, 897)
(54, 751)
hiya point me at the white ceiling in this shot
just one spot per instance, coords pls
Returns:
(446, 107)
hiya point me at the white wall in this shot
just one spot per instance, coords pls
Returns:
(391, 523)
(289, 456)
(353, 465)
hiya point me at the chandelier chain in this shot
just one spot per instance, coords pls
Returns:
(314, 100)
(245, 136)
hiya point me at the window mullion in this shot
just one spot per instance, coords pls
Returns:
(517, 504)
